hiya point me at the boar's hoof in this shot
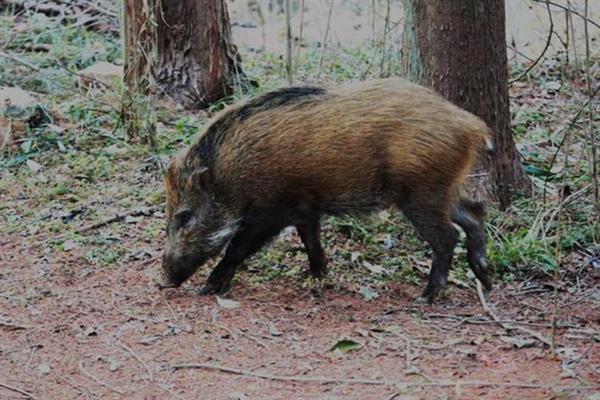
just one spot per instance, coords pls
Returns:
(430, 293)
(318, 273)
(486, 282)
(213, 288)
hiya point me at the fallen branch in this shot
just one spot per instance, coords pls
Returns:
(17, 390)
(468, 320)
(175, 319)
(98, 380)
(130, 351)
(86, 391)
(508, 327)
(117, 217)
(13, 326)
(380, 382)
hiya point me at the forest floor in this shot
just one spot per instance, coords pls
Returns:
(82, 231)
(70, 330)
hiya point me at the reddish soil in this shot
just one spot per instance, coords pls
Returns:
(68, 333)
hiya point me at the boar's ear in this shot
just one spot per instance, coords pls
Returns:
(200, 178)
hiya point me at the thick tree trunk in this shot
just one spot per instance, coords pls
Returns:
(197, 61)
(458, 48)
(139, 44)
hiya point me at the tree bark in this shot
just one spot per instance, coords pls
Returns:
(197, 60)
(459, 50)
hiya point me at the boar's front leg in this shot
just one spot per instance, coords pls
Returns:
(309, 232)
(248, 240)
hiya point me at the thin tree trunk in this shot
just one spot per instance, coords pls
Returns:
(410, 57)
(139, 46)
(288, 42)
(197, 60)
(461, 53)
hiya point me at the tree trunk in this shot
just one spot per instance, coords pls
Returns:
(458, 48)
(197, 61)
(139, 38)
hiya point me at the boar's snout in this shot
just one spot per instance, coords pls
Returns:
(168, 278)
(176, 270)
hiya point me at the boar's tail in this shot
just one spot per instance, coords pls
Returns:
(490, 146)
(484, 135)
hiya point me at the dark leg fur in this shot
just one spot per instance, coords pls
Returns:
(469, 216)
(245, 243)
(431, 221)
(309, 232)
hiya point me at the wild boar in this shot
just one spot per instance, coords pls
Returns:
(290, 156)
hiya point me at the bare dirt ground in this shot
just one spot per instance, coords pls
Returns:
(68, 333)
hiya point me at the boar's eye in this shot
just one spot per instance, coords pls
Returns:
(182, 219)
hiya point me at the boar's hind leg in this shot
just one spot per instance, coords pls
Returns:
(432, 223)
(469, 216)
(246, 242)
(309, 232)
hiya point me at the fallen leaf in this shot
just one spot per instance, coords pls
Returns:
(346, 345)
(225, 303)
(518, 341)
(479, 340)
(90, 331)
(33, 166)
(43, 369)
(113, 364)
(132, 220)
(374, 268)
(69, 245)
(455, 341)
(148, 340)
(115, 149)
(368, 293)
(273, 331)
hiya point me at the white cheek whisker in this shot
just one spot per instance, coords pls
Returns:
(224, 233)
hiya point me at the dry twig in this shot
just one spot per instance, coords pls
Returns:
(288, 41)
(300, 35)
(503, 325)
(175, 319)
(537, 60)
(17, 390)
(134, 354)
(13, 326)
(592, 160)
(86, 391)
(380, 382)
(566, 130)
(117, 217)
(98, 380)
(324, 43)
(571, 10)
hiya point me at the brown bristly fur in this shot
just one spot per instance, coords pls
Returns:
(363, 137)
